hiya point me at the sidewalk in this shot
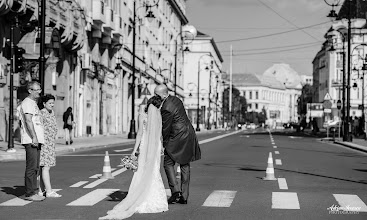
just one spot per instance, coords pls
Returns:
(357, 144)
(81, 143)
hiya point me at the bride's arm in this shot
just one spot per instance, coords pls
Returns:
(138, 135)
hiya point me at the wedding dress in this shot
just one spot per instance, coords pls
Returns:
(146, 192)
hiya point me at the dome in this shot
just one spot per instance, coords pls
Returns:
(284, 74)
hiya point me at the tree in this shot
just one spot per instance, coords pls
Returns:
(306, 97)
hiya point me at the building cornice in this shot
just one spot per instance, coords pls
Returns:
(179, 12)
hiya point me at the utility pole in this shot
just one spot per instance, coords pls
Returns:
(230, 86)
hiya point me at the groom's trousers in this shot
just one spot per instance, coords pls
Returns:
(169, 167)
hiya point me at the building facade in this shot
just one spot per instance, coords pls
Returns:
(203, 82)
(90, 51)
(276, 91)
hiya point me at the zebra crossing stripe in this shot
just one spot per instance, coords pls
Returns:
(282, 182)
(95, 176)
(276, 152)
(220, 198)
(99, 181)
(352, 201)
(285, 200)
(278, 161)
(92, 198)
(80, 183)
(18, 201)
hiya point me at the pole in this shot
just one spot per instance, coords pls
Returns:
(216, 105)
(42, 59)
(209, 108)
(348, 80)
(230, 86)
(176, 68)
(363, 105)
(11, 89)
(198, 108)
(345, 138)
(132, 133)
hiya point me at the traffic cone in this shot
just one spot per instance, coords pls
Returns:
(270, 169)
(106, 168)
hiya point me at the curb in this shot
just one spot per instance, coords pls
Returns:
(21, 156)
(351, 145)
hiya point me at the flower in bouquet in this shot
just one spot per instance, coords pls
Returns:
(130, 163)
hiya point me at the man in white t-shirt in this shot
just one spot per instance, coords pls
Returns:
(32, 138)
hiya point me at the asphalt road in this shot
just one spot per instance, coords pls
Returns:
(226, 184)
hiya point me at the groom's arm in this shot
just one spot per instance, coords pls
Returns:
(167, 118)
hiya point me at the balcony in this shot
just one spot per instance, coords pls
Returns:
(99, 12)
(336, 83)
(109, 24)
(118, 30)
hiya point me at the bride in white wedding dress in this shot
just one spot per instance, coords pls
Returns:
(146, 192)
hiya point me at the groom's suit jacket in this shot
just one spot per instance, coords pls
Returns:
(179, 137)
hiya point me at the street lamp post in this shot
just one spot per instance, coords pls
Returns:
(345, 137)
(42, 59)
(132, 132)
(188, 29)
(216, 102)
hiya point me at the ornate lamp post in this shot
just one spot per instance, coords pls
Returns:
(150, 17)
(187, 30)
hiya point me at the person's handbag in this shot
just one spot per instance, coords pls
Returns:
(129, 163)
(69, 122)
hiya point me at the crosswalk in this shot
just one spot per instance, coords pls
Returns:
(214, 199)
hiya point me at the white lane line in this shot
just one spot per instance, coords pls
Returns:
(218, 137)
(18, 201)
(276, 152)
(275, 146)
(282, 182)
(168, 192)
(351, 201)
(278, 161)
(95, 176)
(285, 200)
(220, 198)
(123, 150)
(91, 155)
(99, 181)
(80, 183)
(92, 198)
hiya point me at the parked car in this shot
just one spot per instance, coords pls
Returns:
(332, 125)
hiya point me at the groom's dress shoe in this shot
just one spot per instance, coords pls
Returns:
(182, 200)
(174, 198)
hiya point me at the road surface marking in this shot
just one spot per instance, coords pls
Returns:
(123, 150)
(276, 152)
(218, 137)
(99, 181)
(95, 176)
(285, 200)
(80, 183)
(282, 182)
(92, 198)
(18, 201)
(91, 155)
(168, 192)
(352, 201)
(275, 146)
(220, 198)
(278, 161)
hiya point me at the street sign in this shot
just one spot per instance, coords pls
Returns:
(327, 110)
(327, 104)
(327, 97)
(339, 104)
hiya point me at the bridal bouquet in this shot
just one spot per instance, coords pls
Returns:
(130, 163)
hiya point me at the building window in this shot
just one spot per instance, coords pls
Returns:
(250, 95)
(102, 8)
(257, 95)
(256, 106)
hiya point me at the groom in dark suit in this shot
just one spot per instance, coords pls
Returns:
(180, 144)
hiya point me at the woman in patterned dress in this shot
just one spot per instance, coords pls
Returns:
(48, 154)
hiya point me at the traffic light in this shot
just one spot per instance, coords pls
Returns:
(18, 62)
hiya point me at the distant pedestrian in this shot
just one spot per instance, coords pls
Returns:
(48, 153)
(68, 119)
(32, 138)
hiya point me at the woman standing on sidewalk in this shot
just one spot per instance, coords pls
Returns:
(68, 119)
(48, 153)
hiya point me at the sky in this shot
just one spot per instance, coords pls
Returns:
(243, 24)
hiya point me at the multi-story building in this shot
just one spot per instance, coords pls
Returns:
(203, 82)
(90, 51)
(328, 64)
(276, 91)
(306, 80)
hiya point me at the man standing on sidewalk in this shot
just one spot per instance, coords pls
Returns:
(32, 137)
